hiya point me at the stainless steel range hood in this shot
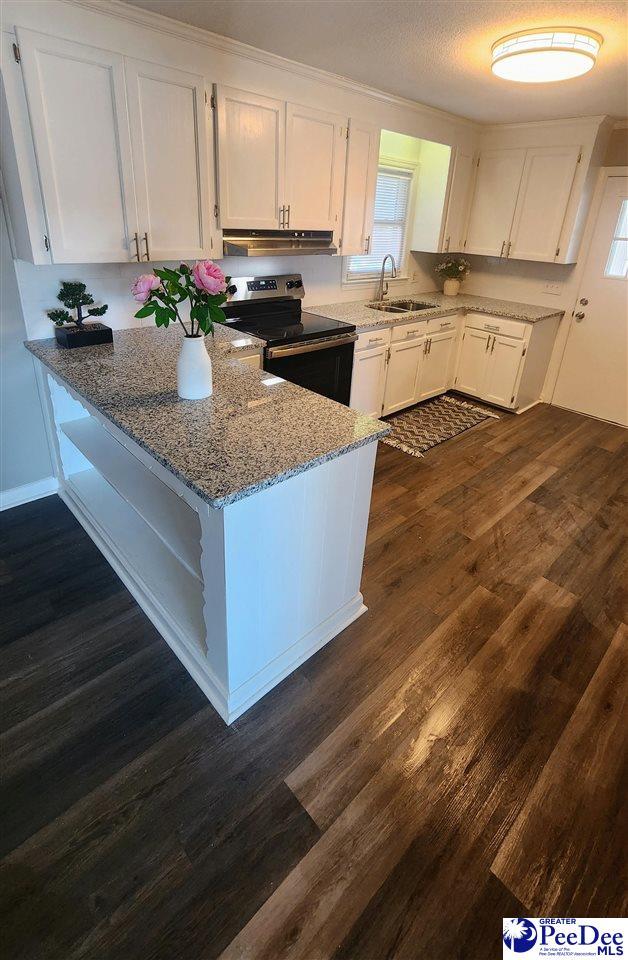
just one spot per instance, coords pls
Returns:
(277, 243)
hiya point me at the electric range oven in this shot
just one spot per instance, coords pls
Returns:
(311, 351)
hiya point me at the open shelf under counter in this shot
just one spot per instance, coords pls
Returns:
(173, 590)
(167, 514)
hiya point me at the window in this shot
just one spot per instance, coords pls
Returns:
(617, 263)
(392, 203)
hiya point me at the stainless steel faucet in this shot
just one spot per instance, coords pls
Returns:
(381, 292)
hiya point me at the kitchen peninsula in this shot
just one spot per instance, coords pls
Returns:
(238, 522)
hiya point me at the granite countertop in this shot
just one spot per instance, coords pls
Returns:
(247, 436)
(359, 312)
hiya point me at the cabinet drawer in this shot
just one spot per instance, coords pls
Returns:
(508, 328)
(408, 331)
(442, 324)
(374, 338)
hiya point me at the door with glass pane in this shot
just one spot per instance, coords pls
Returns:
(593, 376)
(390, 224)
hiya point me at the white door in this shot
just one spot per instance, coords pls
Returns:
(251, 159)
(473, 362)
(593, 376)
(402, 373)
(77, 106)
(437, 367)
(169, 143)
(368, 380)
(504, 360)
(542, 202)
(316, 146)
(494, 200)
(360, 186)
(458, 203)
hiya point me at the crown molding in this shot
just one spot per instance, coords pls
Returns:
(563, 122)
(119, 10)
(620, 125)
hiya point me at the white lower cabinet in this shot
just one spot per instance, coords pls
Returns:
(490, 362)
(403, 374)
(437, 365)
(369, 374)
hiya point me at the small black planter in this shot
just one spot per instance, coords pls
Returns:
(88, 335)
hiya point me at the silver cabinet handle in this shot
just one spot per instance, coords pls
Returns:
(136, 241)
(447, 244)
(508, 250)
(147, 247)
(501, 253)
(376, 339)
(367, 245)
(288, 223)
(491, 326)
(493, 347)
(425, 349)
(281, 217)
(429, 346)
(488, 341)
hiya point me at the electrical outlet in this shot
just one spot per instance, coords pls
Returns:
(554, 287)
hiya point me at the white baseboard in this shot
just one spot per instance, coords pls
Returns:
(15, 496)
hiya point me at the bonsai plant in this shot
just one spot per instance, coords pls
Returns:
(71, 331)
(162, 293)
(453, 271)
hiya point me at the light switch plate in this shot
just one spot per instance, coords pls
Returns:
(554, 287)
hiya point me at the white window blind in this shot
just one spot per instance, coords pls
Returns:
(392, 201)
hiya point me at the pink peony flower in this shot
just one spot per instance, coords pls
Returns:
(143, 286)
(208, 277)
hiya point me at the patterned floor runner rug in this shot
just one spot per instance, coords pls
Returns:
(432, 422)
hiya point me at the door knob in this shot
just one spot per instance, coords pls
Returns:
(580, 316)
(584, 302)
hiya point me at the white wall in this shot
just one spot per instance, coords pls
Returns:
(24, 453)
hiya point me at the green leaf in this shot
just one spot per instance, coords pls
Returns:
(216, 314)
(163, 316)
(146, 310)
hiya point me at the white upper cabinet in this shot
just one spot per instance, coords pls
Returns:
(360, 186)
(169, 143)
(251, 159)
(548, 175)
(316, 146)
(77, 105)
(494, 200)
(280, 166)
(458, 202)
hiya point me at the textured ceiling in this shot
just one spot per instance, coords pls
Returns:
(433, 51)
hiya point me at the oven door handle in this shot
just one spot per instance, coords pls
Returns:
(290, 350)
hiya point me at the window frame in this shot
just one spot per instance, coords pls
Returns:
(617, 237)
(403, 273)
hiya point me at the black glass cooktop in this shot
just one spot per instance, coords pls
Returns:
(282, 322)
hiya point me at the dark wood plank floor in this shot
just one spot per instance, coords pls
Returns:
(452, 758)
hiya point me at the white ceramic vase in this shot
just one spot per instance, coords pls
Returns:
(451, 287)
(194, 370)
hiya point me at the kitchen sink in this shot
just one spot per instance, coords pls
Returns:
(388, 307)
(401, 306)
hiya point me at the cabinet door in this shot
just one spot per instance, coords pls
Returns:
(494, 200)
(77, 106)
(360, 186)
(504, 361)
(402, 373)
(546, 184)
(316, 146)
(458, 203)
(473, 362)
(437, 367)
(368, 380)
(251, 159)
(169, 144)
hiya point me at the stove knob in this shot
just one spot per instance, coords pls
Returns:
(297, 283)
(231, 289)
(290, 284)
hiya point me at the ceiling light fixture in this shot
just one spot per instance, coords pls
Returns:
(544, 56)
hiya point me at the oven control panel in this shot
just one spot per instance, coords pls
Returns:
(258, 288)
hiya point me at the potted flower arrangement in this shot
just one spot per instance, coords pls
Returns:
(162, 293)
(453, 271)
